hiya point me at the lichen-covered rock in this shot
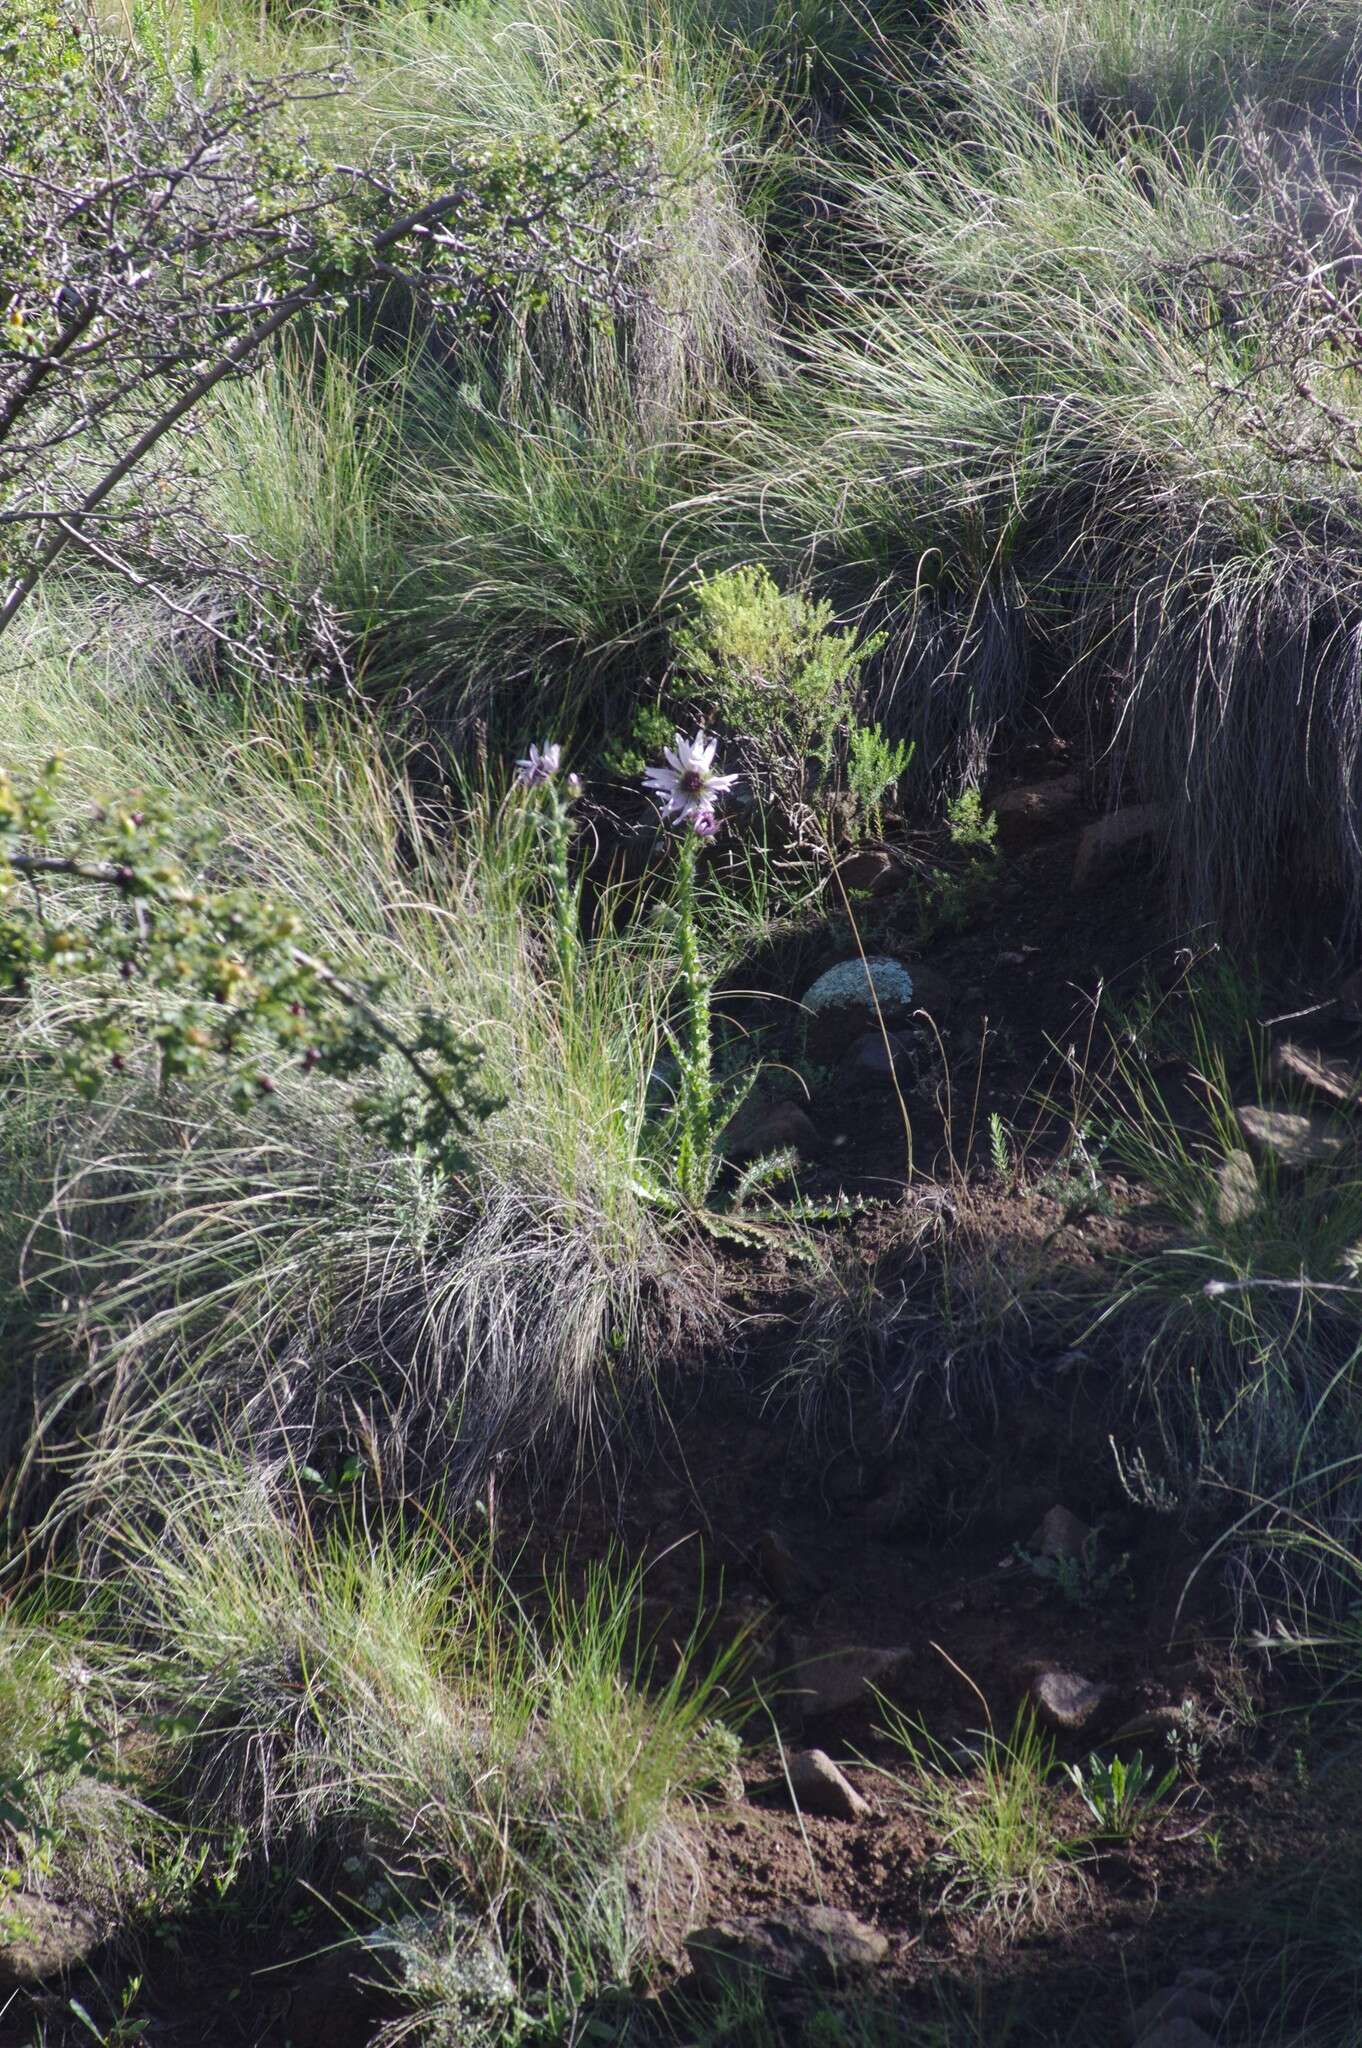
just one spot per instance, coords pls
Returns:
(858, 986)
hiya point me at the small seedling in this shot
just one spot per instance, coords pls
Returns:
(970, 826)
(1079, 1576)
(1119, 1793)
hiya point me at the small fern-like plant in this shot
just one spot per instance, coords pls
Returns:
(875, 766)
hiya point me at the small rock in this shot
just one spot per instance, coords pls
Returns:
(881, 1056)
(1105, 845)
(1181, 2001)
(934, 993)
(1156, 1720)
(42, 1939)
(1333, 1078)
(1294, 1141)
(872, 868)
(839, 1680)
(760, 1128)
(1065, 1701)
(1236, 1189)
(799, 1945)
(819, 1787)
(1034, 811)
(1060, 1534)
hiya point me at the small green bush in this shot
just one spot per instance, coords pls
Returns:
(769, 667)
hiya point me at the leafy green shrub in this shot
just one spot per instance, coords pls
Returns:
(969, 825)
(203, 974)
(1081, 1577)
(1121, 1792)
(767, 667)
(875, 767)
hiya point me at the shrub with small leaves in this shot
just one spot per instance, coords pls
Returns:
(769, 667)
(161, 223)
(875, 767)
(200, 975)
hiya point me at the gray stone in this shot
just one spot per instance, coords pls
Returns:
(1177, 2033)
(819, 1787)
(872, 868)
(840, 1680)
(1337, 1080)
(798, 1945)
(1181, 2001)
(1065, 1701)
(882, 1056)
(42, 1939)
(1060, 1534)
(1295, 1141)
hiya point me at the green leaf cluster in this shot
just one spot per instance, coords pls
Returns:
(202, 977)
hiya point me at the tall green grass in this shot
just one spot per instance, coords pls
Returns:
(373, 1689)
(265, 1274)
(1185, 65)
(1020, 437)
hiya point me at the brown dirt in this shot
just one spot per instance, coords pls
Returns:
(903, 1523)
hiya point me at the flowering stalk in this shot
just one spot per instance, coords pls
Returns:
(539, 771)
(691, 787)
(696, 1143)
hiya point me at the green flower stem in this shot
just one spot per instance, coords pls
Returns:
(695, 1147)
(565, 893)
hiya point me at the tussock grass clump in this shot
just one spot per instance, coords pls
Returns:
(1185, 64)
(1026, 436)
(367, 1691)
(264, 1273)
(1244, 1324)
(74, 1823)
(1001, 1840)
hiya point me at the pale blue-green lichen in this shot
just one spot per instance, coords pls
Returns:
(878, 981)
